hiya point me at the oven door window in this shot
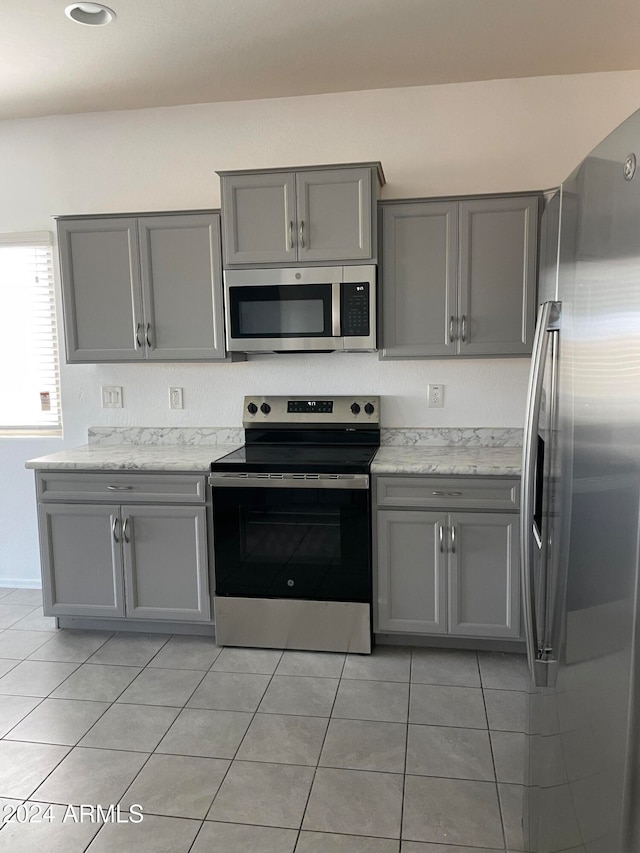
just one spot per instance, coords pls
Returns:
(292, 543)
(281, 311)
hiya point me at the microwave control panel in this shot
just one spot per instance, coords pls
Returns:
(354, 308)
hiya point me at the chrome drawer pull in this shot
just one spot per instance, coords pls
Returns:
(119, 488)
(447, 494)
(125, 530)
(114, 528)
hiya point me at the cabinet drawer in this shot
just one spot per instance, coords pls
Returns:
(448, 492)
(121, 488)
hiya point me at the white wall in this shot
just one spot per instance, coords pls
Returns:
(495, 136)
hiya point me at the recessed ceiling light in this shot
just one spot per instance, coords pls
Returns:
(92, 14)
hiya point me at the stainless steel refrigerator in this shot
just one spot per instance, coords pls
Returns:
(580, 523)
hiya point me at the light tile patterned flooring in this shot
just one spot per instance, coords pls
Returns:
(242, 750)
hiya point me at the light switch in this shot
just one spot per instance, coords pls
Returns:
(111, 396)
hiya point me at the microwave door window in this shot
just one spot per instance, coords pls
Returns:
(291, 317)
(281, 311)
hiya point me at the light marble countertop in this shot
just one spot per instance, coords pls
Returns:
(487, 461)
(133, 457)
(484, 461)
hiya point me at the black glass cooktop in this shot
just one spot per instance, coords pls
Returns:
(311, 459)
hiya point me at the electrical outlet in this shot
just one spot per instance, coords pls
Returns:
(435, 396)
(175, 398)
(111, 396)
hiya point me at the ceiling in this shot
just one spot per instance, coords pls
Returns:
(167, 52)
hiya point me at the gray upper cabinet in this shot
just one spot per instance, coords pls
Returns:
(300, 216)
(182, 286)
(259, 218)
(498, 255)
(459, 277)
(420, 279)
(142, 288)
(99, 264)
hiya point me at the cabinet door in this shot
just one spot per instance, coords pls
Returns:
(102, 299)
(81, 560)
(165, 563)
(411, 572)
(334, 214)
(181, 283)
(498, 250)
(419, 279)
(259, 219)
(484, 581)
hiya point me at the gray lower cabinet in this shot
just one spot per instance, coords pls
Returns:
(446, 572)
(412, 572)
(142, 288)
(300, 215)
(135, 560)
(484, 580)
(165, 562)
(459, 276)
(81, 561)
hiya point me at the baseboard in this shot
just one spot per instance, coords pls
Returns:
(20, 583)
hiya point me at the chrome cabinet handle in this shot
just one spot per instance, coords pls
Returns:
(148, 339)
(441, 537)
(119, 488)
(291, 235)
(453, 539)
(301, 233)
(125, 530)
(114, 528)
(463, 327)
(138, 341)
(452, 331)
(447, 494)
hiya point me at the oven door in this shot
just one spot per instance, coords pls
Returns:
(292, 536)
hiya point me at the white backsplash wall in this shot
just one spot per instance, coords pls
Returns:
(213, 393)
(492, 136)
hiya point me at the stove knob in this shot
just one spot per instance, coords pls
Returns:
(252, 408)
(265, 408)
(355, 408)
(369, 408)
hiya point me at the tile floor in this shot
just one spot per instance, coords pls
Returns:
(237, 750)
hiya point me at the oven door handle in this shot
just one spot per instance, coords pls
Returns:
(290, 481)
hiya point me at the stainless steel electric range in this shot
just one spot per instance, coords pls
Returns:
(291, 525)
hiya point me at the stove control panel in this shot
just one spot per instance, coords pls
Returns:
(360, 411)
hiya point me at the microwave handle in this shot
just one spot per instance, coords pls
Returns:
(336, 329)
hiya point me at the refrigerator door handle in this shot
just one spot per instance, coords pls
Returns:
(539, 661)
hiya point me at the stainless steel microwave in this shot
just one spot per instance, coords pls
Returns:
(301, 309)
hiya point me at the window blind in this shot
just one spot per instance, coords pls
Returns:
(30, 387)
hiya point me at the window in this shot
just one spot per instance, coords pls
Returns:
(30, 397)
